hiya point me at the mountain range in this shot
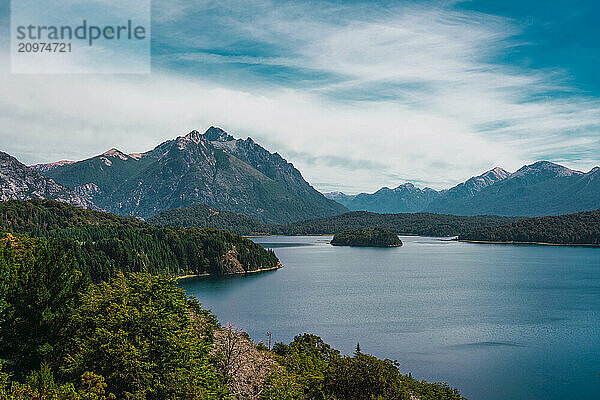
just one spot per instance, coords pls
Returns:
(17, 181)
(238, 175)
(212, 168)
(542, 188)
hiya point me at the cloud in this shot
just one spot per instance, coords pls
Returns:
(356, 96)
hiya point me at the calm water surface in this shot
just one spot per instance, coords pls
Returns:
(499, 322)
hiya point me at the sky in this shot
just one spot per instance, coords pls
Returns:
(356, 94)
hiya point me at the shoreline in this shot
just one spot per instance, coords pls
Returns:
(390, 246)
(252, 272)
(276, 235)
(529, 243)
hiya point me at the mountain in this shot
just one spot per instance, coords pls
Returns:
(539, 189)
(578, 228)
(47, 167)
(19, 182)
(404, 198)
(211, 168)
(542, 188)
(340, 197)
(464, 191)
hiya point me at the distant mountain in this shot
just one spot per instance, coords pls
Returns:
(539, 189)
(340, 197)
(466, 190)
(211, 168)
(579, 228)
(542, 188)
(404, 198)
(47, 167)
(19, 182)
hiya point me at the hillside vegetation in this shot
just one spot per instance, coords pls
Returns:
(139, 337)
(209, 217)
(579, 228)
(423, 224)
(103, 243)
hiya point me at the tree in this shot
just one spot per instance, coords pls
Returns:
(39, 286)
(146, 338)
(41, 385)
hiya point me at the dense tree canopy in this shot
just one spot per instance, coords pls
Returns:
(579, 228)
(104, 243)
(138, 335)
(367, 238)
(146, 338)
(209, 217)
(39, 286)
(315, 371)
(423, 224)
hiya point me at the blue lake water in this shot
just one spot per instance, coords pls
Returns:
(499, 322)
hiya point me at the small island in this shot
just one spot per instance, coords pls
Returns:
(375, 237)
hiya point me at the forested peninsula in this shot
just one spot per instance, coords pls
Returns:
(104, 243)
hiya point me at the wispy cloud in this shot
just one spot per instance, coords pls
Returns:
(415, 91)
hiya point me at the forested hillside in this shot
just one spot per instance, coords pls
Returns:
(579, 228)
(408, 224)
(403, 224)
(104, 243)
(209, 217)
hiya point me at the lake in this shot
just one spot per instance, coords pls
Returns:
(500, 322)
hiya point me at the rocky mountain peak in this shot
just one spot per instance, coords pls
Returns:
(545, 167)
(49, 166)
(405, 186)
(484, 180)
(19, 182)
(193, 139)
(497, 172)
(211, 168)
(193, 136)
(214, 134)
(115, 153)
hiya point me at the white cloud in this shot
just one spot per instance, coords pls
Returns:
(435, 62)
